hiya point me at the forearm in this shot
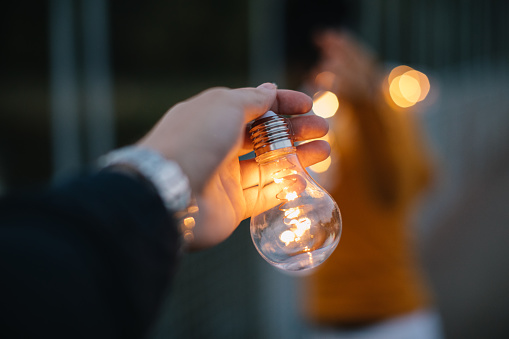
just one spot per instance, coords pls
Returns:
(93, 258)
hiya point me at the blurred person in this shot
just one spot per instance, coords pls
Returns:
(94, 256)
(372, 286)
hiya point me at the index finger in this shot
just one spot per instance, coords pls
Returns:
(256, 101)
(290, 102)
(253, 102)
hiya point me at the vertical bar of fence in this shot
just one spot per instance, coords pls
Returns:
(98, 92)
(465, 58)
(267, 63)
(66, 147)
(393, 39)
(371, 23)
(266, 41)
(438, 32)
(421, 28)
(505, 36)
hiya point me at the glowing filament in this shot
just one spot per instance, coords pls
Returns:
(292, 213)
(291, 196)
(287, 237)
(302, 225)
(299, 228)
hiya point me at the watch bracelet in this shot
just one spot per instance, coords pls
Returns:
(165, 176)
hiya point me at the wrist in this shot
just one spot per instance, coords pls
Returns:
(164, 176)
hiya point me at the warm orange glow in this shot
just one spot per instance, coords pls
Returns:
(188, 235)
(322, 166)
(278, 180)
(407, 86)
(189, 222)
(397, 71)
(423, 82)
(327, 137)
(325, 104)
(192, 209)
(396, 95)
(325, 80)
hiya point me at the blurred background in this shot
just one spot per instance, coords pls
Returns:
(81, 77)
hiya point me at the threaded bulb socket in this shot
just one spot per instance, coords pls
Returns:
(270, 133)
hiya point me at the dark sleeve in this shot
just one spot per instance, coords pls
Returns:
(89, 259)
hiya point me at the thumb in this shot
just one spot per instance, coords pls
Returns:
(257, 101)
(268, 85)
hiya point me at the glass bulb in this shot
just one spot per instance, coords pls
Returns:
(295, 225)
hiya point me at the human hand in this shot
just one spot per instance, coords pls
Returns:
(356, 74)
(206, 134)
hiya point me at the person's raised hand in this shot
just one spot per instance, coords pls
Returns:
(206, 135)
(357, 74)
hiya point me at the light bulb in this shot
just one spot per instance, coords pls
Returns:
(295, 225)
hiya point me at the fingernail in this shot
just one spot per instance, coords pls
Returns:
(268, 85)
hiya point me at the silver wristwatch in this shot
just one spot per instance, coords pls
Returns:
(166, 175)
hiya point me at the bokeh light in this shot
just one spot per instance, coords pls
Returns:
(397, 71)
(423, 82)
(325, 104)
(398, 96)
(322, 166)
(407, 86)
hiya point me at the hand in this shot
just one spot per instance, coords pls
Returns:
(206, 134)
(357, 76)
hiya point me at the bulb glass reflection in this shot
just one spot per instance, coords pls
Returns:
(296, 224)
